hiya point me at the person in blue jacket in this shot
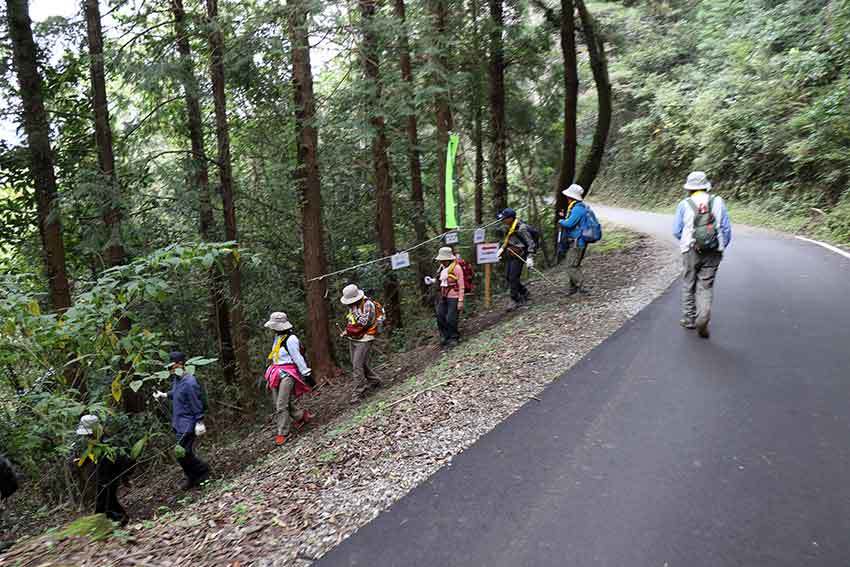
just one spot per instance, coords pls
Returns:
(187, 420)
(571, 240)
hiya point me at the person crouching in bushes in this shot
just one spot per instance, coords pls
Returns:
(450, 301)
(288, 377)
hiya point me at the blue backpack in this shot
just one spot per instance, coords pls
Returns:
(591, 230)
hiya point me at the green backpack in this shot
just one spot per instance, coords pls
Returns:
(705, 227)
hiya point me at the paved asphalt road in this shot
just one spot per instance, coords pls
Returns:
(659, 448)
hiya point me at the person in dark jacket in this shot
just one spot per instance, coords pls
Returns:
(109, 473)
(517, 251)
(188, 408)
(8, 479)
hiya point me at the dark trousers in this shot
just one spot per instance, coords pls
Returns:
(513, 272)
(196, 470)
(109, 477)
(447, 319)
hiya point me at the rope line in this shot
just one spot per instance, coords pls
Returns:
(411, 248)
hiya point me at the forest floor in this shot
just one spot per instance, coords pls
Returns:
(290, 505)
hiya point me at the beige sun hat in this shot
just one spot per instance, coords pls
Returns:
(278, 321)
(351, 294)
(698, 181)
(445, 254)
(575, 192)
(87, 425)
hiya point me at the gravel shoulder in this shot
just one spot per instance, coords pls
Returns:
(296, 503)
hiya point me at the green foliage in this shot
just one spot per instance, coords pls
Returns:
(755, 93)
(96, 527)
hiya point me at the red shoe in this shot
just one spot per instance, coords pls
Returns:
(279, 439)
(307, 418)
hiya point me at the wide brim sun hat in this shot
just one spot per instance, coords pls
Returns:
(445, 254)
(575, 192)
(278, 321)
(87, 425)
(351, 294)
(697, 181)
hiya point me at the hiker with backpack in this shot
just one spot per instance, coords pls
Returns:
(518, 247)
(704, 231)
(453, 286)
(363, 320)
(288, 377)
(580, 227)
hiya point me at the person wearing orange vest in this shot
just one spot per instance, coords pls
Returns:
(361, 329)
(450, 301)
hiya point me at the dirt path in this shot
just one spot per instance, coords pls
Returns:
(293, 505)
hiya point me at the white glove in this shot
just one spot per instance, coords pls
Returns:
(429, 280)
(529, 262)
(200, 428)
(159, 395)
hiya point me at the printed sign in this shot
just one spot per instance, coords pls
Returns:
(488, 253)
(400, 260)
(478, 236)
(451, 238)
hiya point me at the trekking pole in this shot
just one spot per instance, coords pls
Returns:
(538, 272)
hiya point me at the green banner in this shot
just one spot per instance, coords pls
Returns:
(451, 152)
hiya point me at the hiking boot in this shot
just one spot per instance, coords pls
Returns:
(688, 323)
(702, 329)
(584, 290)
(279, 440)
(186, 484)
(303, 421)
(572, 291)
(513, 305)
(451, 343)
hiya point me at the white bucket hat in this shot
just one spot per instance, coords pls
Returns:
(574, 192)
(87, 424)
(351, 294)
(278, 321)
(445, 254)
(698, 181)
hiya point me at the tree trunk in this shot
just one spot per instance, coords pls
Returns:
(417, 194)
(599, 67)
(383, 183)
(307, 176)
(115, 253)
(477, 134)
(445, 121)
(498, 133)
(225, 171)
(41, 154)
(568, 158)
(42, 169)
(199, 172)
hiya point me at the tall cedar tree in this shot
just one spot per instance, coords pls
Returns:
(307, 176)
(498, 130)
(477, 115)
(599, 67)
(115, 253)
(200, 180)
(445, 121)
(42, 170)
(370, 57)
(417, 194)
(225, 171)
(568, 158)
(41, 154)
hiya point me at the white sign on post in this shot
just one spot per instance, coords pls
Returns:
(478, 236)
(400, 260)
(451, 238)
(488, 253)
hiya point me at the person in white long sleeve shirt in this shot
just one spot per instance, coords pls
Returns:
(288, 376)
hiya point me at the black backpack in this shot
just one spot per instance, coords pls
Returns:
(535, 236)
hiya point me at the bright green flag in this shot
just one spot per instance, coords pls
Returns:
(451, 151)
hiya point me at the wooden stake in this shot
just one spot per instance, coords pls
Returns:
(488, 270)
